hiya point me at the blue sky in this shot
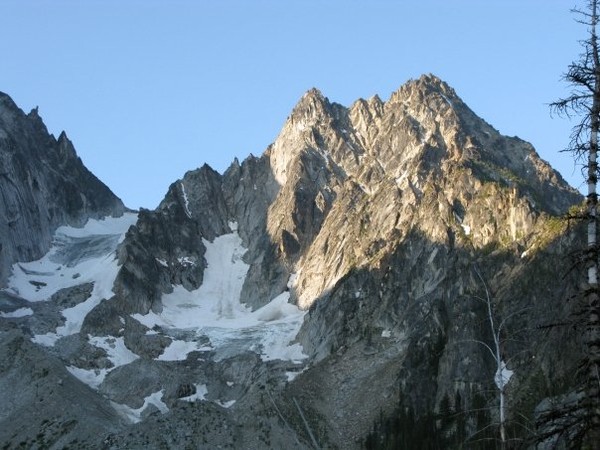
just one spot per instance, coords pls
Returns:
(148, 89)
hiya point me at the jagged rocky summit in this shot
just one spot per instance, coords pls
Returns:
(327, 293)
(44, 185)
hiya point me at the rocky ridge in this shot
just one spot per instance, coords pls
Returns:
(376, 219)
(44, 185)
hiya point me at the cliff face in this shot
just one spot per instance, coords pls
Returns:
(353, 273)
(43, 185)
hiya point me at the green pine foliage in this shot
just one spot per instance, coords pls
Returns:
(454, 427)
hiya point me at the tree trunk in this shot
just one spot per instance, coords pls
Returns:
(592, 334)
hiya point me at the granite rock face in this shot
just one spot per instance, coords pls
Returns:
(43, 185)
(397, 226)
(38, 393)
(335, 172)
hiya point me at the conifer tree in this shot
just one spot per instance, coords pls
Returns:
(583, 76)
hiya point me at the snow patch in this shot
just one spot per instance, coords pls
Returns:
(186, 261)
(291, 376)
(135, 415)
(386, 334)
(118, 353)
(91, 377)
(401, 178)
(47, 340)
(186, 203)
(228, 404)
(447, 100)
(162, 262)
(201, 391)
(466, 228)
(178, 350)
(21, 312)
(214, 311)
(432, 256)
(292, 280)
(101, 227)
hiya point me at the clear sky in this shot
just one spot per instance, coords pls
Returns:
(149, 89)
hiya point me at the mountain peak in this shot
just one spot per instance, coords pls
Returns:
(425, 87)
(312, 103)
(6, 101)
(429, 82)
(8, 111)
(313, 92)
(312, 112)
(430, 79)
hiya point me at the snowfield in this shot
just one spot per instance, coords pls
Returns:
(214, 310)
(77, 256)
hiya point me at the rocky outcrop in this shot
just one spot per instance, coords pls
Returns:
(43, 185)
(39, 394)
